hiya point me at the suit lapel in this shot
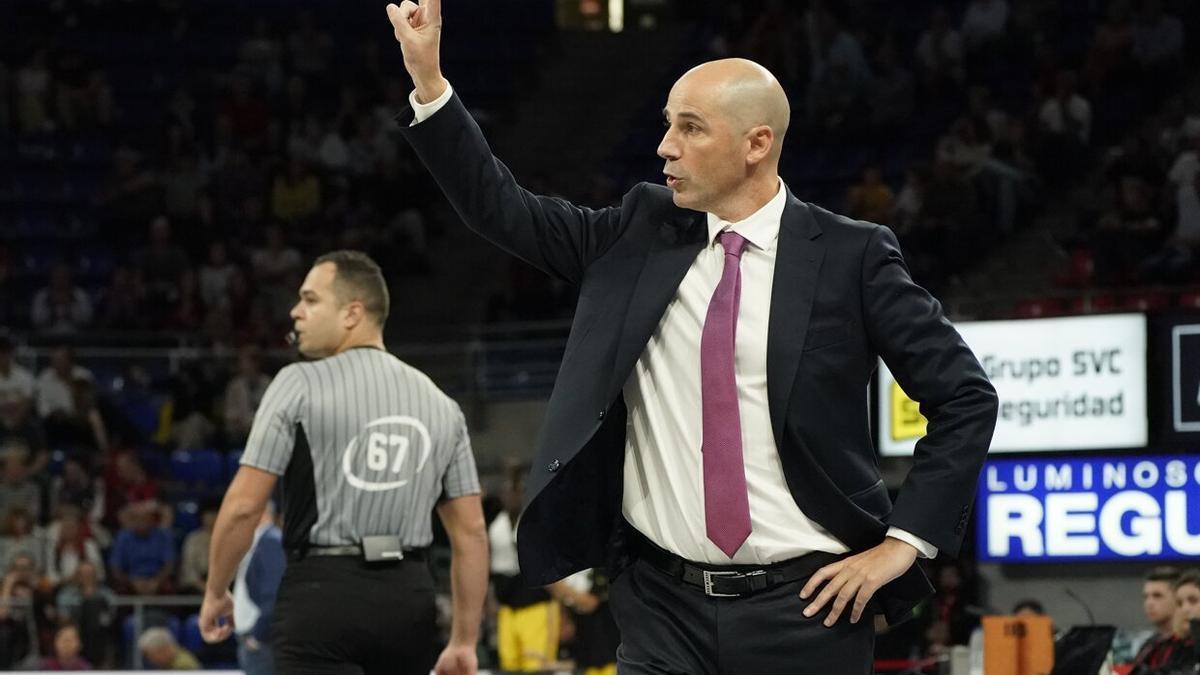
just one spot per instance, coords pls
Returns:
(672, 251)
(797, 266)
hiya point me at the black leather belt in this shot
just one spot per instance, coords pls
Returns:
(352, 550)
(734, 580)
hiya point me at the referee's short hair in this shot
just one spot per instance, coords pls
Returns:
(357, 277)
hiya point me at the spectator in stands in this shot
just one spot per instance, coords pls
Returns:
(70, 545)
(894, 96)
(243, 394)
(841, 80)
(193, 404)
(185, 191)
(1157, 38)
(61, 307)
(1127, 233)
(17, 387)
(216, 276)
(161, 262)
(86, 602)
(17, 491)
(906, 213)
(1067, 116)
(34, 84)
(277, 267)
(296, 192)
(940, 53)
(871, 199)
(126, 484)
(56, 388)
(161, 651)
(309, 49)
(128, 195)
(188, 313)
(1158, 603)
(193, 563)
(67, 649)
(122, 305)
(75, 488)
(984, 23)
(1110, 60)
(20, 429)
(17, 634)
(143, 556)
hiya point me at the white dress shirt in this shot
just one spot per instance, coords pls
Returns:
(664, 481)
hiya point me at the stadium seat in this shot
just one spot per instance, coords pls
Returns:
(209, 467)
(1034, 308)
(1147, 301)
(183, 469)
(191, 639)
(232, 461)
(1189, 299)
(187, 516)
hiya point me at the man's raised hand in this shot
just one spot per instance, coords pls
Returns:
(418, 29)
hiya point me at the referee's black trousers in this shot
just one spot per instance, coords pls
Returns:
(342, 615)
(669, 627)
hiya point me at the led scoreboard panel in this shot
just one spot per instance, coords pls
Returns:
(1093, 508)
(1064, 384)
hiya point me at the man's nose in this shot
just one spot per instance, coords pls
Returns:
(668, 148)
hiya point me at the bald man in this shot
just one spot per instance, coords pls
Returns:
(708, 435)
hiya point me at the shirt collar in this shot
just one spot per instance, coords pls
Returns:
(761, 228)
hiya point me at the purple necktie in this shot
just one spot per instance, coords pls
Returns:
(726, 505)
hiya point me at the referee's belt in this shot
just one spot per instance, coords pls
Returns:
(353, 550)
(731, 581)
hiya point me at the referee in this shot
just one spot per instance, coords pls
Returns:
(366, 447)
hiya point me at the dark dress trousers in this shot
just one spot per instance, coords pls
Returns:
(842, 296)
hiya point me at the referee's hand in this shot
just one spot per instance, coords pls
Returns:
(457, 660)
(216, 617)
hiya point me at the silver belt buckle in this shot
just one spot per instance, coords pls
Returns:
(708, 581)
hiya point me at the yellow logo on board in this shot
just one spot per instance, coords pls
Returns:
(907, 421)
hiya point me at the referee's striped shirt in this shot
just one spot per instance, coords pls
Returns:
(366, 445)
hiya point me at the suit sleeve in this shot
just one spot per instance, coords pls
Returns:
(551, 234)
(906, 326)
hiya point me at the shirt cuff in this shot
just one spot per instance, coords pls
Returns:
(423, 111)
(924, 548)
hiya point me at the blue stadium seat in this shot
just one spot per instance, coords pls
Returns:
(191, 639)
(182, 467)
(187, 516)
(155, 462)
(209, 467)
(232, 461)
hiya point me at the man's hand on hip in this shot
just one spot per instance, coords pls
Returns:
(418, 29)
(857, 578)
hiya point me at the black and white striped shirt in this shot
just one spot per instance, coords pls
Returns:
(366, 445)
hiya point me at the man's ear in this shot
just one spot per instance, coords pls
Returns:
(355, 314)
(762, 142)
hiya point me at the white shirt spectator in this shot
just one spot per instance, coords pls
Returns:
(984, 21)
(334, 153)
(54, 394)
(941, 52)
(63, 311)
(16, 384)
(215, 281)
(1183, 176)
(1055, 116)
